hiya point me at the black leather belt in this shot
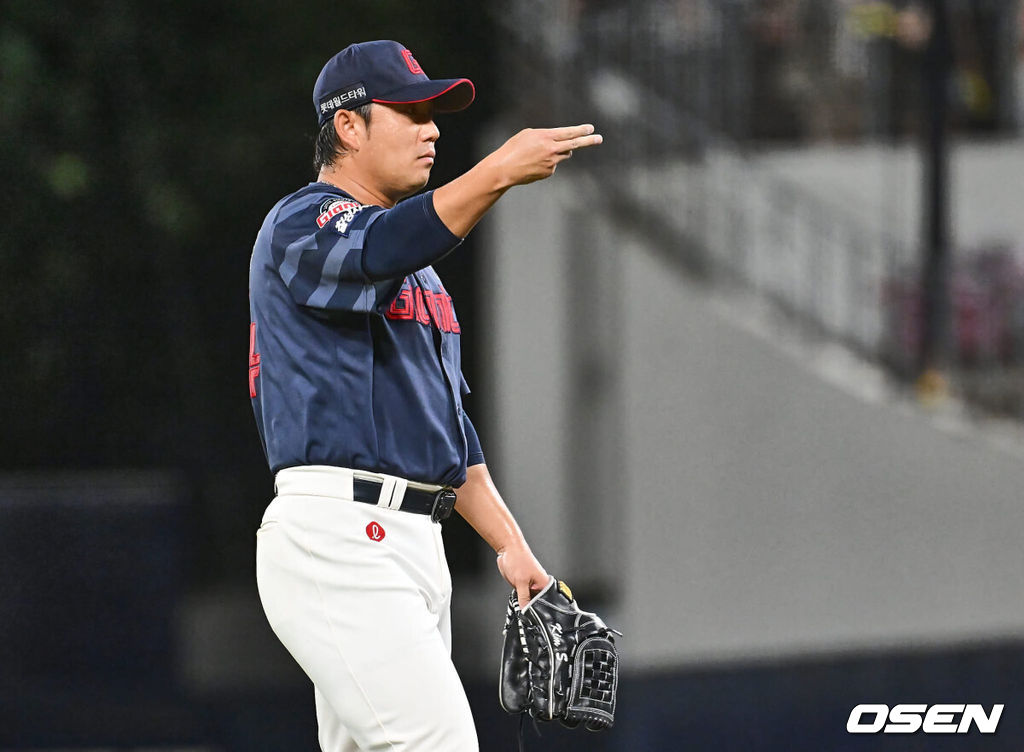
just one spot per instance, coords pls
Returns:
(438, 504)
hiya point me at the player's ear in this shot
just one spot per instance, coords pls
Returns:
(351, 130)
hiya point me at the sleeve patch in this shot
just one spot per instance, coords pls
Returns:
(345, 211)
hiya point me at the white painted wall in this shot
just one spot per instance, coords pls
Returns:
(767, 512)
(880, 186)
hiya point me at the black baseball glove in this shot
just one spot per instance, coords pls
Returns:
(558, 661)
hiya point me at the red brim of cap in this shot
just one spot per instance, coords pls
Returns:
(448, 95)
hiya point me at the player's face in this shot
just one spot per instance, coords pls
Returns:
(399, 147)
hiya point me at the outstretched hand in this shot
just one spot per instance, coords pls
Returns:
(522, 571)
(529, 156)
(534, 153)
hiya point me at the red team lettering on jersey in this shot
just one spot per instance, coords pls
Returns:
(421, 306)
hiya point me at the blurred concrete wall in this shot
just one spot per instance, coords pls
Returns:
(879, 186)
(754, 510)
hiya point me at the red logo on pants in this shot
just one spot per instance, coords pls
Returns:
(375, 532)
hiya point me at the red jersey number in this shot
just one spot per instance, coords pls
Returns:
(254, 360)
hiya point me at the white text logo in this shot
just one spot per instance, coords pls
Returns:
(935, 719)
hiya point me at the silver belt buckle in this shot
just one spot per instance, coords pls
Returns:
(444, 503)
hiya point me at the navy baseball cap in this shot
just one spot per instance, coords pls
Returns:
(387, 73)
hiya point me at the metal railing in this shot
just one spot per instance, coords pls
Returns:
(688, 93)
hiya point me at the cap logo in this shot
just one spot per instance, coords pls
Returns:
(343, 98)
(411, 63)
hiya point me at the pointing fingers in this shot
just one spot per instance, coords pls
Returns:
(568, 132)
(584, 141)
(534, 153)
(574, 137)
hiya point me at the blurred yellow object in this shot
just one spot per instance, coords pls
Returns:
(931, 388)
(975, 92)
(874, 19)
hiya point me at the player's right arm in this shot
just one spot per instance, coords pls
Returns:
(332, 264)
(480, 504)
(530, 155)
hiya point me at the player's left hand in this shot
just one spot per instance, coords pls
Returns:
(522, 571)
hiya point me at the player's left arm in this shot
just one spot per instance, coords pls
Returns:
(480, 504)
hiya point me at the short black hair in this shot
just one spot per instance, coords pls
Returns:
(327, 146)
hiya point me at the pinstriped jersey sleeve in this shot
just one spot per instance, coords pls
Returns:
(318, 245)
(336, 254)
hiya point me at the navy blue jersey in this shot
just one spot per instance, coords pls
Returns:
(354, 346)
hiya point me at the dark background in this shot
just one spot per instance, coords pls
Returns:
(141, 145)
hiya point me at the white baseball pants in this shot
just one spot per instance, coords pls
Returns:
(360, 595)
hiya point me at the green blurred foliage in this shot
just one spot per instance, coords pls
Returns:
(141, 145)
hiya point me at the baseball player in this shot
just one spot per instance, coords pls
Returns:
(356, 385)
